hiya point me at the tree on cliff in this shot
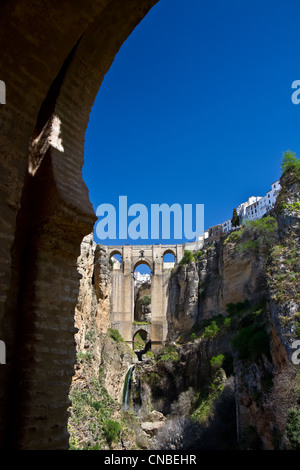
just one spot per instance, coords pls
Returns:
(235, 221)
(290, 163)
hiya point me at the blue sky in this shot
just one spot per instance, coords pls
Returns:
(196, 108)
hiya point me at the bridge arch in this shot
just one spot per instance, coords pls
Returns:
(141, 342)
(141, 261)
(143, 333)
(169, 251)
(169, 256)
(115, 252)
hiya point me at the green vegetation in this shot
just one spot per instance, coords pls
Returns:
(198, 255)
(227, 322)
(194, 336)
(188, 257)
(202, 407)
(153, 379)
(92, 409)
(169, 353)
(239, 315)
(90, 335)
(111, 431)
(217, 361)
(258, 235)
(251, 342)
(238, 308)
(284, 282)
(211, 327)
(290, 166)
(139, 342)
(146, 300)
(293, 428)
(84, 356)
(255, 236)
(211, 330)
(235, 221)
(115, 335)
(234, 237)
(149, 354)
(141, 322)
(295, 206)
(290, 163)
(249, 245)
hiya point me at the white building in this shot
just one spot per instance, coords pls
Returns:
(254, 208)
(242, 208)
(226, 226)
(116, 263)
(259, 208)
(142, 277)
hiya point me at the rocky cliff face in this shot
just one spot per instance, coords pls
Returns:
(225, 378)
(103, 360)
(219, 275)
(183, 301)
(251, 279)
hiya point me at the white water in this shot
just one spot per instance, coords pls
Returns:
(127, 391)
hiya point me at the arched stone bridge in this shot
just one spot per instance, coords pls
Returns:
(122, 307)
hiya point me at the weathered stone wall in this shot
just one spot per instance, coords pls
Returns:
(53, 59)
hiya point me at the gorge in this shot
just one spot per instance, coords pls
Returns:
(223, 376)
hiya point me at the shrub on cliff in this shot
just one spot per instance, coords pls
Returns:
(211, 330)
(237, 308)
(188, 257)
(251, 342)
(217, 361)
(234, 237)
(115, 335)
(258, 235)
(169, 353)
(111, 431)
(293, 428)
(290, 163)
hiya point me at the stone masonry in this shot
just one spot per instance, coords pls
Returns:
(122, 305)
(54, 56)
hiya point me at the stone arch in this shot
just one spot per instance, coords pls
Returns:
(146, 336)
(145, 261)
(51, 90)
(169, 251)
(115, 252)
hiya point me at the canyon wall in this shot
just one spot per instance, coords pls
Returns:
(254, 271)
(95, 348)
(235, 301)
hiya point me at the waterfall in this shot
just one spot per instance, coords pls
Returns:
(126, 391)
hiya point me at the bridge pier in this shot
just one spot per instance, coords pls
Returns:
(122, 308)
